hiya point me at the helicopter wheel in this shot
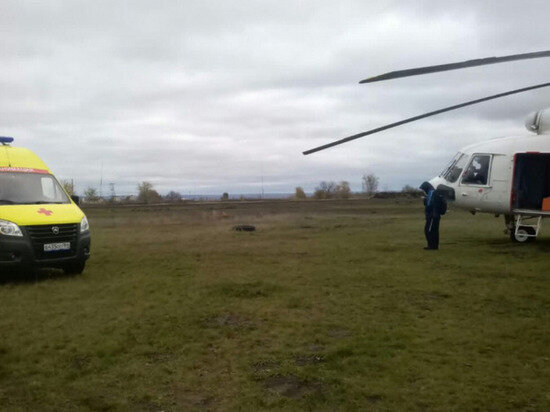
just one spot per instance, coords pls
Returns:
(524, 235)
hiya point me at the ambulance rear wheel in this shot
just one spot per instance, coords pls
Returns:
(524, 235)
(75, 268)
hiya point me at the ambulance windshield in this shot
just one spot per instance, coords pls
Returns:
(30, 188)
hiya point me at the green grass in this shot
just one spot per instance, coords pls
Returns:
(327, 306)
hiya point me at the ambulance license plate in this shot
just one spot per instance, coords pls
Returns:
(56, 247)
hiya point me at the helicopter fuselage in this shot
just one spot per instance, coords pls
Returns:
(509, 176)
(482, 175)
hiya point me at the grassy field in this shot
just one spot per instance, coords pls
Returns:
(327, 306)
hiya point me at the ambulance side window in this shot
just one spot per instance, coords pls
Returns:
(477, 172)
(48, 188)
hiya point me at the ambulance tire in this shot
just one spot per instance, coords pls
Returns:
(75, 268)
(522, 236)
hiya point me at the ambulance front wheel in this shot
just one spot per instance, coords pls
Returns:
(75, 268)
(523, 235)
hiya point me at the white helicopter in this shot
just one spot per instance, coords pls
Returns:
(508, 176)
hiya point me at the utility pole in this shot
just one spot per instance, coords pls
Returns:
(113, 193)
(262, 195)
(101, 182)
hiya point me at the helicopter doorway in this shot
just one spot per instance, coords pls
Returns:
(531, 185)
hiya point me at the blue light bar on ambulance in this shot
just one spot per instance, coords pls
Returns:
(5, 139)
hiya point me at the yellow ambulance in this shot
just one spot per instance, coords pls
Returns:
(40, 225)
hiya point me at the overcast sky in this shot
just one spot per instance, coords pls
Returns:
(209, 96)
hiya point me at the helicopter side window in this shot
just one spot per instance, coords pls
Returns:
(477, 172)
(455, 170)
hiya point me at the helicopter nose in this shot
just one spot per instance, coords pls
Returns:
(440, 184)
(436, 181)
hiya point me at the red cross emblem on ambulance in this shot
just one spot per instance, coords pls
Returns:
(45, 212)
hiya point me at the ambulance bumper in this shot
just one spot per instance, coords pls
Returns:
(21, 253)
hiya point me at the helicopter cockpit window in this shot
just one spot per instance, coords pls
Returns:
(478, 170)
(450, 164)
(455, 169)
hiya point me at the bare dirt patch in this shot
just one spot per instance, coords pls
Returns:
(437, 295)
(303, 360)
(80, 362)
(265, 366)
(187, 399)
(339, 333)
(229, 320)
(371, 399)
(158, 357)
(291, 386)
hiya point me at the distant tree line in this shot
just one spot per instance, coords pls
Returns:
(146, 193)
(369, 184)
(331, 190)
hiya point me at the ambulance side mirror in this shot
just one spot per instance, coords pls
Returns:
(76, 199)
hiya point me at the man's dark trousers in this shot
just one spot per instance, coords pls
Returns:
(431, 230)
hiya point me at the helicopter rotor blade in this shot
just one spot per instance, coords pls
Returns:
(454, 66)
(422, 116)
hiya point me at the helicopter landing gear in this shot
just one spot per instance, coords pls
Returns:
(523, 234)
(523, 229)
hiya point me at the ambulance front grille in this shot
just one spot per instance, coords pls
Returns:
(44, 234)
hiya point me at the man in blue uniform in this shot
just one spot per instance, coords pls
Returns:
(435, 206)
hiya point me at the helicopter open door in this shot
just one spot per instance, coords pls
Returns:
(530, 198)
(531, 184)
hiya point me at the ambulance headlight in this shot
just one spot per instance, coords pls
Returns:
(9, 229)
(84, 225)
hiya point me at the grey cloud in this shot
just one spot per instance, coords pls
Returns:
(209, 96)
